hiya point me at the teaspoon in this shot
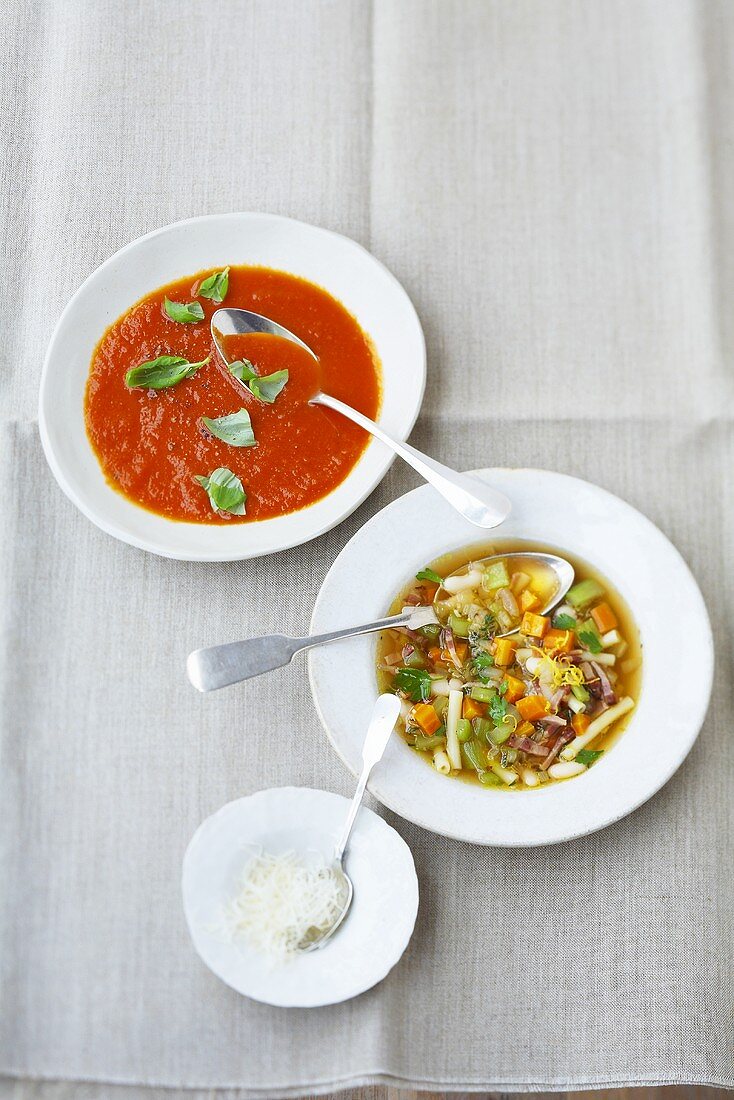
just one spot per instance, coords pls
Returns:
(473, 499)
(220, 665)
(384, 716)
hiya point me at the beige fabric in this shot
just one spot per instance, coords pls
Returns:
(551, 182)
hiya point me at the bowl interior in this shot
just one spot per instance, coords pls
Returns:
(588, 522)
(336, 263)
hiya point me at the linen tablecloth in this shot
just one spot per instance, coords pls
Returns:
(552, 184)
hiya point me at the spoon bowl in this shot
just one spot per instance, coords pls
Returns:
(479, 503)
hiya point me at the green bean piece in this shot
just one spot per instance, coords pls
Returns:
(474, 755)
(426, 744)
(463, 730)
(459, 626)
(483, 694)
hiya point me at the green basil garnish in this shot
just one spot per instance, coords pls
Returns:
(226, 493)
(235, 429)
(160, 373)
(216, 286)
(415, 683)
(591, 641)
(564, 622)
(269, 386)
(183, 312)
(243, 370)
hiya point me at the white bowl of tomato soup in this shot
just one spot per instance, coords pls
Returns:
(535, 772)
(160, 444)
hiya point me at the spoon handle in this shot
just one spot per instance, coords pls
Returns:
(220, 665)
(473, 499)
(384, 716)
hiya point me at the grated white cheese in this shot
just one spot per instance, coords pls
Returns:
(283, 902)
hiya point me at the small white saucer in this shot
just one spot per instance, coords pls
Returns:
(380, 921)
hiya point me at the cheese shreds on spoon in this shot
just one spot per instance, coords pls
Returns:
(284, 903)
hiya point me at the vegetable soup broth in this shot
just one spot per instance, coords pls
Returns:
(505, 719)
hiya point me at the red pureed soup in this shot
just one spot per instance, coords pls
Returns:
(176, 431)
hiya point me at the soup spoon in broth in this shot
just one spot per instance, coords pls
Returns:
(220, 665)
(473, 499)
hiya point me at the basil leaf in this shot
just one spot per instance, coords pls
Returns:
(588, 756)
(269, 386)
(216, 286)
(235, 429)
(415, 682)
(502, 689)
(429, 575)
(160, 373)
(225, 490)
(183, 312)
(242, 369)
(564, 622)
(591, 641)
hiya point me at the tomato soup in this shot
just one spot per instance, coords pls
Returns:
(153, 444)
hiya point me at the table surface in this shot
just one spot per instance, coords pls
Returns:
(552, 185)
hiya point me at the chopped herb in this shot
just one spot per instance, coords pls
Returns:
(235, 429)
(564, 622)
(497, 709)
(487, 630)
(267, 387)
(225, 490)
(502, 689)
(161, 373)
(183, 312)
(243, 370)
(415, 683)
(429, 575)
(588, 756)
(216, 286)
(484, 660)
(591, 641)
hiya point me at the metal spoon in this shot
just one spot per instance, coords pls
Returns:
(220, 665)
(475, 501)
(384, 716)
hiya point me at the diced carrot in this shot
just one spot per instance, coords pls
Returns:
(604, 617)
(515, 689)
(472, 709)
(504, 651)
(529, 600)
(533, 707)
(428, 591)
(435, 653)
(560, 641)
(462, 649)
(525, 729)
(425, 716)
(534, 626)
(580, 723)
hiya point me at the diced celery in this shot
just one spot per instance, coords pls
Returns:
(501, 733)
(489, 779)
(416, 659)
(431, 630)
(460, 627)
(482, 728)
(580, 692)
(584, 592)
(482, 694)
(495, 576)
(474, 755)
(440, 703)
(426, 744)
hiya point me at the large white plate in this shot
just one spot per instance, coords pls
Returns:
(377, 928)
(338, 264)
(589, 522)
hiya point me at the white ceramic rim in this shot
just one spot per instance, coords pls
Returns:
(76, 334)
(376, 932)
(638, 764)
